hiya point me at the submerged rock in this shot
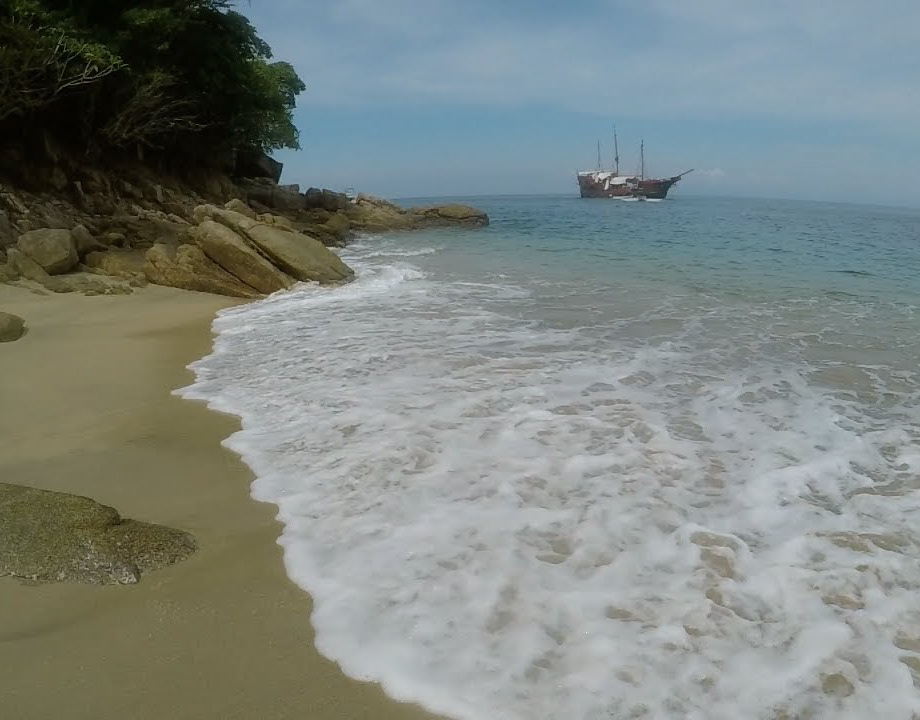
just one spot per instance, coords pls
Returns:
(55, 536)
(452, 214)
(11, 327)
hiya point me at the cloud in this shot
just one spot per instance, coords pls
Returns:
(804, 60)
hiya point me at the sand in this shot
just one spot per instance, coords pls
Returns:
(85, 407)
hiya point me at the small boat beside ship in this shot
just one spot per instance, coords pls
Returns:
(602, 183)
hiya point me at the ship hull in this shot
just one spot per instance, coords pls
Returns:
(607, 185)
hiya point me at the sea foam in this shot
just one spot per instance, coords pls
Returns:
(689, 510)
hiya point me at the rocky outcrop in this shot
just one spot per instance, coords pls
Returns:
(452, 214)
(52, 536)
(128, 229)
(54, 250)
(239, 258)
(188, 268)
(11, 327)
(300, 256)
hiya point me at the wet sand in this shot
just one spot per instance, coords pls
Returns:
(85, 407)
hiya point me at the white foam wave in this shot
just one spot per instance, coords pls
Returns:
(690, 512)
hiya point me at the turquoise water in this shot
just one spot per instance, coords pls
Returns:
(603, 459)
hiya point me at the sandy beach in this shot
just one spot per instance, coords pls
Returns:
(87, 409)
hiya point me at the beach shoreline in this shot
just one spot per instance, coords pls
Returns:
(89, 410)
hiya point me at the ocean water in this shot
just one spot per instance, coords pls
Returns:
(603, 459)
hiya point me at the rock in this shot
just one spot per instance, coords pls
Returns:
(333, 201)
(88, 284)
(271, 196)
(58, 180)
(26, 266)
(115, 239)
(291, 188)
(276, 220)
(7, 233)
(300, 256)
(7, 273)
(128, 264)
(54, 250)
(377, 213)
(239, 258)
(11, 327)
(188, 268)
(54, 536)
(84, 241)
(313, 198)
(237, 205)
(257, 164)
(451, 214)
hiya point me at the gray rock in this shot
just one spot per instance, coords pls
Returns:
(53, 249)
(26, 266)
(11, 327)
(84, 241)
(239, 258)
(54, 536)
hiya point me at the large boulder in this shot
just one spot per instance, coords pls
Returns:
(239, 258)
(54, 250)
(300, 256)
(11, 327)
(54, 536)
(188, 268)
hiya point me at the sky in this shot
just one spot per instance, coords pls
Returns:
(811, 99)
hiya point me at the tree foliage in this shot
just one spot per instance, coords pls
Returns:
(168, 75)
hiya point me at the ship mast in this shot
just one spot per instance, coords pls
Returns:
(642, 160)
(598, 155)
(616, 153)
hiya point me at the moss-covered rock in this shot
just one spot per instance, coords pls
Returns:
(54, 536)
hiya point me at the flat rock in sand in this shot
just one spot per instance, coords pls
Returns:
(54, 536)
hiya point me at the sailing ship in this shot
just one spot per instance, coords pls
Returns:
(602, 183)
